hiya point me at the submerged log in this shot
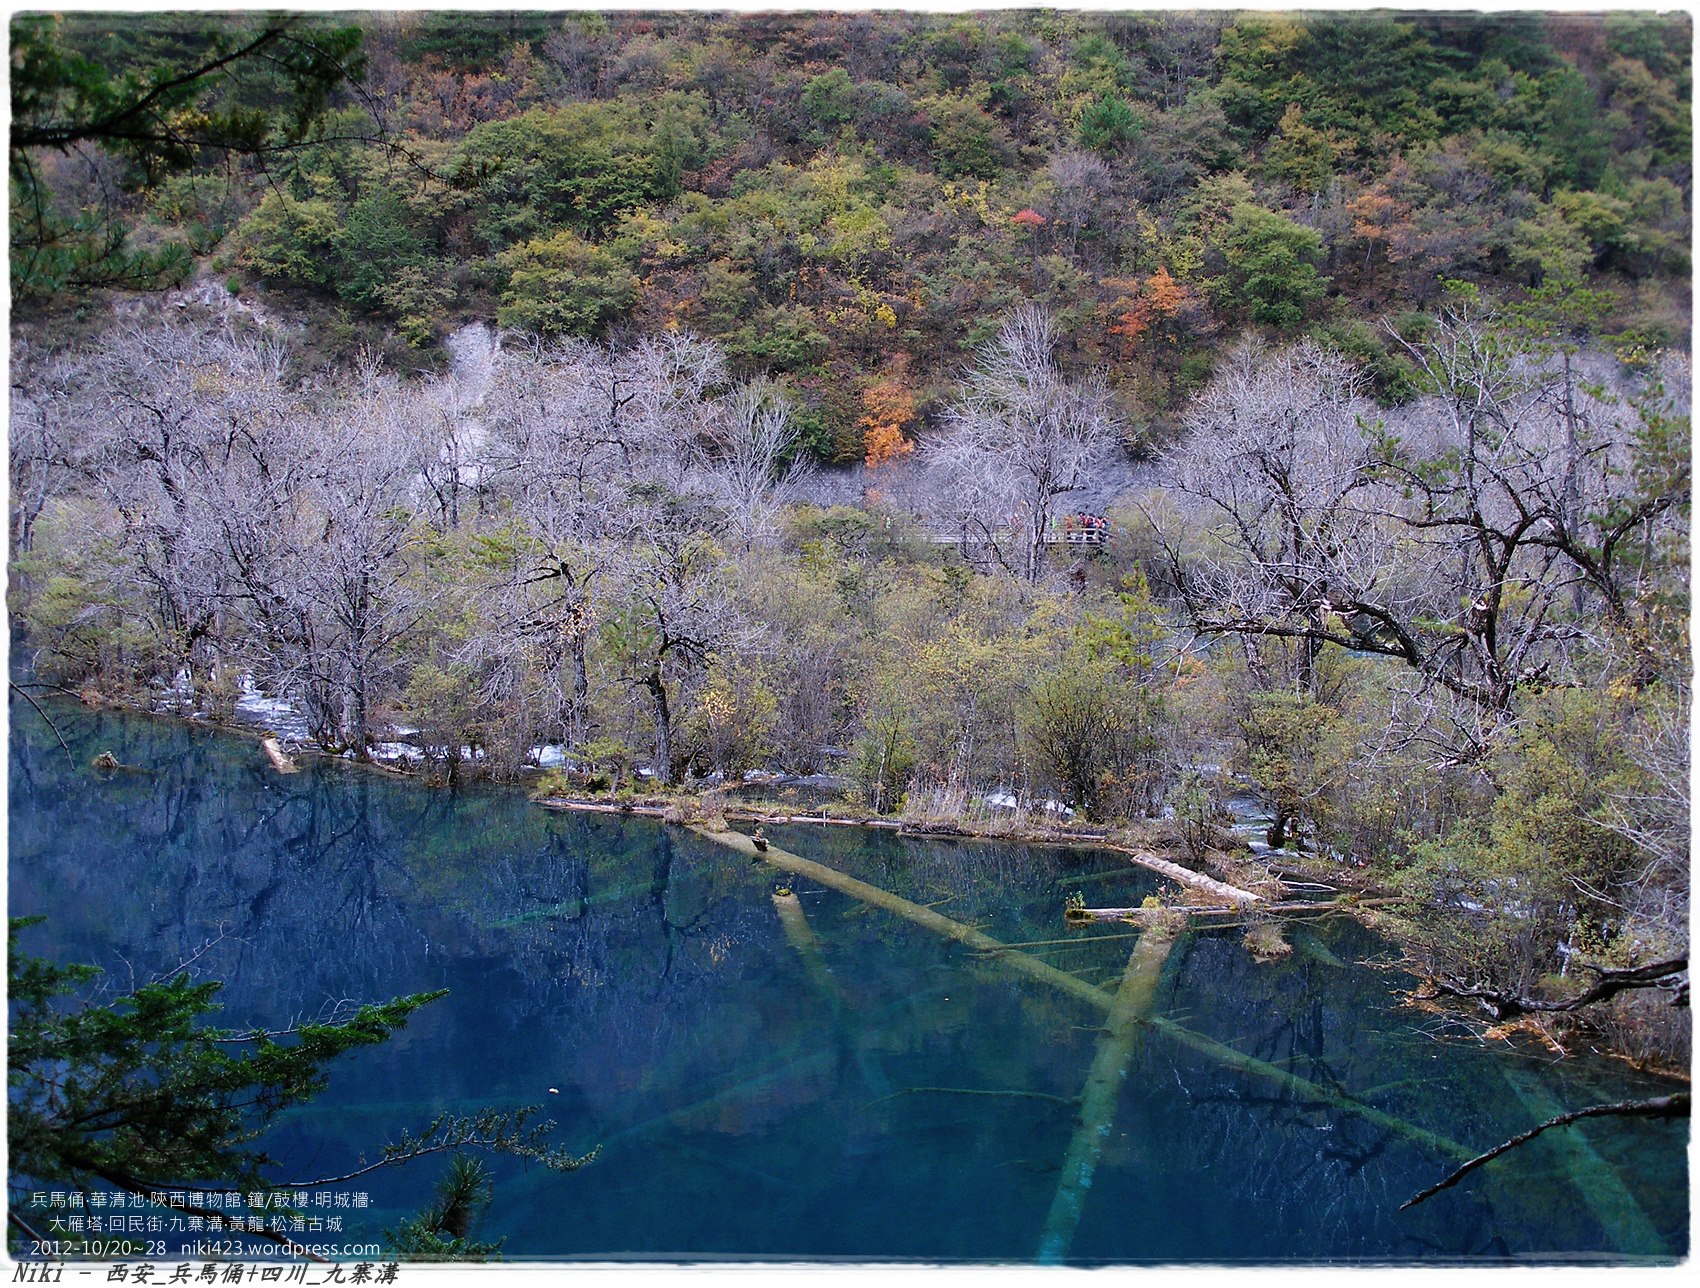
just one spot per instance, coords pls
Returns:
(795, 922)
(1091, 994)
(1312, 947)
(1128, 1013)
(1595, 1181)
(275, 753)
(1021, 963)
(1231, 1058)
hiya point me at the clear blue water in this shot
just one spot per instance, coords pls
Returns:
(754, 1098)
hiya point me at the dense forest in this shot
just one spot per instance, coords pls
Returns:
(848, 203)
(498, 373)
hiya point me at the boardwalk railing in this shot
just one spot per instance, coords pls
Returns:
(1060, 537)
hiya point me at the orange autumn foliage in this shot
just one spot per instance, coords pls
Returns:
(887, 407)
(1165, 295)
(1157, 299)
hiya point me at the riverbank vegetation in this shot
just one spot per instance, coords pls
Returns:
(1395, 386)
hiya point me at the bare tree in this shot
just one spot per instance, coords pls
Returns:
(556, 440)
(1082, 182)
(167, 410)
(607, 455)
(1283, 537)
(45, 440)
(1548, 485)
(1453, 545)
(676, 608)
(750, 465)
(327, 559)
(1020, 435)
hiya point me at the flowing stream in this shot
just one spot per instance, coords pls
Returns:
(777, 1066)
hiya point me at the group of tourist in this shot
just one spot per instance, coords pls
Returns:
(1081, 526)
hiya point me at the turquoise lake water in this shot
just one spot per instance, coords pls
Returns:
(859, 1088)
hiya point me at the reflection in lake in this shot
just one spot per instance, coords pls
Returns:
(812, 1077)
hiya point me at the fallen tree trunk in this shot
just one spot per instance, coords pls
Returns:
(1186, 876)
(1219, 910)
(1128, 1013)
(806, 943)
(1089, 993)
(275, 753)
(923, 830)
(569, 804)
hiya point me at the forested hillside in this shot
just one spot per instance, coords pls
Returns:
(850, 202)
(1390, 313)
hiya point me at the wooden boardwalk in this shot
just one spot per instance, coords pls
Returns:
(1087, 537)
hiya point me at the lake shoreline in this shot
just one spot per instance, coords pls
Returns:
(693, 809)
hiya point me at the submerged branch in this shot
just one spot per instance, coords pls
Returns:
(1672, 1106)
(500, 1131)
(1016, 1092)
